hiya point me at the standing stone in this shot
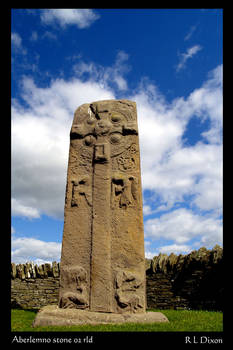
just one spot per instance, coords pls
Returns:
(102, 263)
(102, 269)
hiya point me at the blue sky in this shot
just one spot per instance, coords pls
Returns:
(167, 60)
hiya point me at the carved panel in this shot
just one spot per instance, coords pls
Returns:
(74, 296)
(81, 186)
(128, 160)
(127, 286)
(102, 152)
(85, 158)
(124, 192)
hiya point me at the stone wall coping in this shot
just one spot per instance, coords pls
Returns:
(160, 263)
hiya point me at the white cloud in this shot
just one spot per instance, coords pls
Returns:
(207, 103)
(190, 32)
(209, 191)
(16, 40)
(16, 43)
(49, 35)
(34, 36)
(174, 248)
(194, 171)
(168, 249)
(19, 209)
(187, 55)
(146, 210)
(106, 76)
(82, 18)
(170, 169)
(182, 225)
(149, 254)
(31, 249)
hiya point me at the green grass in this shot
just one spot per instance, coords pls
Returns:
(179, 321)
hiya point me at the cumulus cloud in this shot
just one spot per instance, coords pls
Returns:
(169, 168)
(184, 57)
(174, 248)
(19, 209)
(31, 249)
(106, 76)
(168, 249)
(16, 40)
(147, 210)
(16, 44)
(194, 171)
(82, 18)
(207, 103)
(182, 225)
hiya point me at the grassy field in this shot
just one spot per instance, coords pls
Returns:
(179, 321)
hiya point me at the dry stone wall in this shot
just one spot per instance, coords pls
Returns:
(192, 281)
(34, 286)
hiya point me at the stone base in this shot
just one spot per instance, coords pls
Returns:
(52, 315)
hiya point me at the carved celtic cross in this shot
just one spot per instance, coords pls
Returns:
(102, 263)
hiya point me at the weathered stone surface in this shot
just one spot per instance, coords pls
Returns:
(20, 271)
(33, 293)
(55, 269)
(33, 270)
(13, 270)
(40, 271)
(102, 263)
(217, 254)
(54, 316)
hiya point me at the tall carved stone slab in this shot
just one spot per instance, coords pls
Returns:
(102, 263)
